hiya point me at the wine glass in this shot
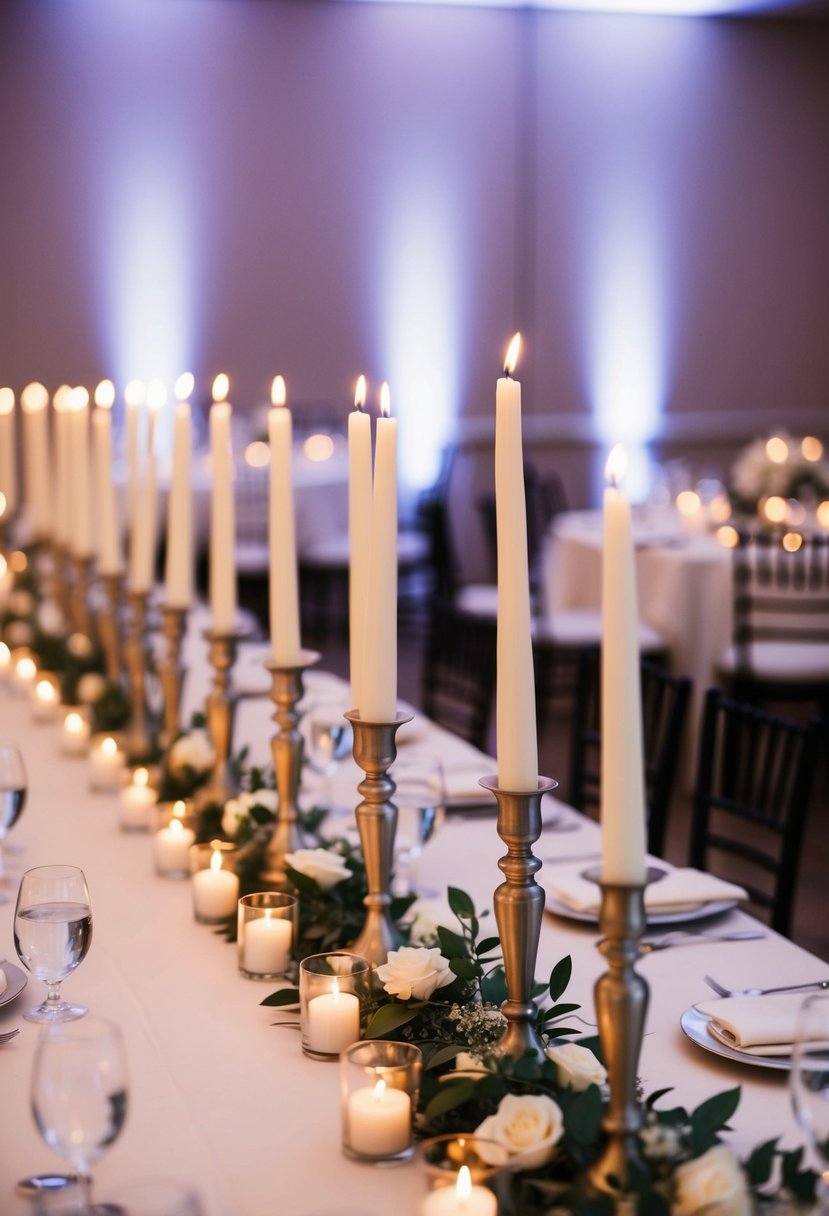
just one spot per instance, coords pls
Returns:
(809, 1082)
(420, 799)
(12, 796)
(52, 934)
(79, 1095)
(328, 742)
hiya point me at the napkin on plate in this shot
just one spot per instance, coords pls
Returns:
(758, 1025)
(462, 785)
(678, 891)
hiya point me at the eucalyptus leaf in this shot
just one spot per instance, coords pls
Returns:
(285, 996)
(560, 977)
(388, 1018)
(449, 1097)
(460, 903)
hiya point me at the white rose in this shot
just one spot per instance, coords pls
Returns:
(414, 971)
(577, 1066)
(90, 687)
(465, 1061)
(714, 1182)
(263, 797)
(193, 751)
(324, 866)
(234, 813)
(528, 1126)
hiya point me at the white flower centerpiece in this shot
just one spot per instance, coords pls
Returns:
(781, 466)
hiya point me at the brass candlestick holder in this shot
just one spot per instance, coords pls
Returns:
(139, 737)
(519, 910)
(173, 625)
(621, 997)
(80, 612)
(375, 751)
(220, 709)
(287, 746)
(109, 624)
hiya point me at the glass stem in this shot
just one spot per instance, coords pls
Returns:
(53, 992)
(85, 1188)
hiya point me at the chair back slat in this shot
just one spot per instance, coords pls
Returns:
(459, 671)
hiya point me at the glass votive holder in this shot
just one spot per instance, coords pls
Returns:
(106, 764)
(333, 989)
(266, 933)
(380, 1086)
(136, 801)
(465, 1173)
(45, 695)
(173, 825)
(74, 732)
(215, 884)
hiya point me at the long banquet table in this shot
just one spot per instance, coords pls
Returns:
(221, 1097)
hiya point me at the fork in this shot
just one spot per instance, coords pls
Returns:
(685, 937)
(6, 1035)
(721, 990)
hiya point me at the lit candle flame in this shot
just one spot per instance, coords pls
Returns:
(360, 393)
(792, 541)
(513, 351)
(26, 668)
(216, 861)
(73, 724)
(109, 747)
(617, 463)
(141, 777)
(45, 691)
(278, 396)
(176, 826)
(221, 387)
(463, 1187)
(135, 393)
(811, 447)
(79, 399)
(688, 503)
(335, 991)
(61, 399)
(777, 450)
(183, 388)
(156, 394)
(6, 400)
(385, 399)
(34, 397)
(179, 809)
(5, 655)
(105, 395)
(379, 1090)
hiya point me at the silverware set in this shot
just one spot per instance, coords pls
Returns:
(688, 937)
(7, 1035)
(721, 990)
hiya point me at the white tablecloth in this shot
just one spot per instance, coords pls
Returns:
(221, 1097)
(683, 584)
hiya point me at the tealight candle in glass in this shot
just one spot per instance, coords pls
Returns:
(266, 932)
(332, 990)
(136, 799)
(380, 1085)
(24, 669)
(75, 732)
(461, 1171)
(45, 697)
(174, 824)
(215, 885)
(5, 662)
(106, 764)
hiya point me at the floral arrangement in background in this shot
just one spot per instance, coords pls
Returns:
(782, 466)
(188, 762)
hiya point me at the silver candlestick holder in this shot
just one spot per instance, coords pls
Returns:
(80, 612)
(519, 910)
(109, 624)
(220, 709)
(375, 751)
(288, 747)
(621, 997)
(139, 734)
(173, 625)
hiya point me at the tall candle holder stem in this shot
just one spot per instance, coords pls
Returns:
(81, 614)
(173, 625)
(109, 625)
(519, 910)
(139, 738)
(220, 710)
(287, 746)
(375, 751)
(621, 997)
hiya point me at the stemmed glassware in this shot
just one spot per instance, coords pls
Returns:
(79, 1096)
(328, 742)
(420, 799)
(12, 797)
(52, 934)
(809, 1083)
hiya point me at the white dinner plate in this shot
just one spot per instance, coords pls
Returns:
(698, 912)
(695, 1026)
(16, 981)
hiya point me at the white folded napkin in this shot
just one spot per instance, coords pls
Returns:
(758, 1025)
(679, 890)
(462, 785)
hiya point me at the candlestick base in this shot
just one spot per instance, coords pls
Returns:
(519, 910)
(109, 625)
(139, 735)
(220, 710)
(621, 997)
(173, 625)
(375, 751)
(287, 746)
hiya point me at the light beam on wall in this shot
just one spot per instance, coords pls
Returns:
(421, 314)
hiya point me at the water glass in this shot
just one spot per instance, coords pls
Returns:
(809, 1081)
(12, 795)
(420, 799)
(52, 934)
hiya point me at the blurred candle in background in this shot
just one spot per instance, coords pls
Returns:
(62, 471)
(80, 515)
(179, 569)
(8, 452)
(284, 592)
(134, 396)
(37, 459)
(142, 547)
(359, 532)
(222, 514)
(110, 558)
